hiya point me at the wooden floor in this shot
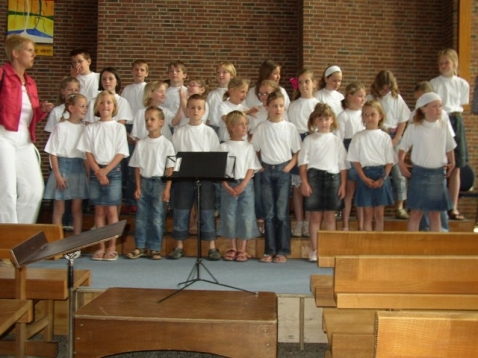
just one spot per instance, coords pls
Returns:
(226, 323)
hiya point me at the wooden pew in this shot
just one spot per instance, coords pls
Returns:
(363, 285)
(334, 243)
(13, 311)
(426, 334)
(44, 286)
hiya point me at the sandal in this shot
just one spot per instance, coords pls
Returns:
(230, 255)
(455, 215)
(266, 258)
(136, 253)
(110, 256)
(155, 255)
(242, 256)
(98, 255)
(280, 259)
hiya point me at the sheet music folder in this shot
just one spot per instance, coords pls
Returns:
(37, 248)
(200, 165)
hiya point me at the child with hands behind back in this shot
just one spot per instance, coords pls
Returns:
(323, 172)
(237, 197)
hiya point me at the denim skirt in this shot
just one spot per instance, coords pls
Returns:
(73, 171)
(106, 195)
(325, 187)
(365, 196)
(427, 190)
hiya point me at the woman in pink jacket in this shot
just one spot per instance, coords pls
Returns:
(21, 181)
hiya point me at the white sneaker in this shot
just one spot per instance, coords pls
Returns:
(305, 229)
(297, 232)
(313, 256)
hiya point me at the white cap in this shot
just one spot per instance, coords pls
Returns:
(427, 98)
(332, 69)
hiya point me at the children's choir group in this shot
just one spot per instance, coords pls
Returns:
(330, 149)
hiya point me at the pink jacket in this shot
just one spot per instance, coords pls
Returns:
(11, 100)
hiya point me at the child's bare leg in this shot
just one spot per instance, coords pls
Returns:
(314, 226)
(414, 221)
(330, 221)
(349, 195)
(435, 221)
(243, 245)
(454, 188)
(298, 204)
(378, 216)
(234, 244)
(58, 211)
(77, 212)
(112, 217)
(367, 218)
(100, 220)
(360, 218)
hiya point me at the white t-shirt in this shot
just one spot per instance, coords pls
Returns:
(276, 141)
(201, 138)
(396, 110)
(64, 140)
(134, 94)
(54, 117)
(124, 111)
(371, 148)
(172, 101)
(323, 151)
(350, 122)
(104, 139)
(253, 101)
(299, 112)
(444, 118)
(223, 109)
(430, 140)
(214, 99)
(139, 130)
(241, 158)
(89, 85)
(332, 98)
(454, 92)
(151, 156)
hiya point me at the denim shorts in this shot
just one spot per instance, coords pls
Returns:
(238, 217)
(427, 190)
(73, 171)
(325, 187)
(106, 195)
(366, 197)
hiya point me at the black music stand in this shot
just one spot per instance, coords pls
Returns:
(198, 166)
(37, 248)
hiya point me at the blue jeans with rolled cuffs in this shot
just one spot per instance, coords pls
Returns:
(185, 194)
(150, 215)
(275, 186)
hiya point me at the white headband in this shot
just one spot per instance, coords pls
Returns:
(332, 69)
(427, 98)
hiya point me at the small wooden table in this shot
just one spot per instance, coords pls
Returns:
(11, 311)
(227, 323)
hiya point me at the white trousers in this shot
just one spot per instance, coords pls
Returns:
(21, 181)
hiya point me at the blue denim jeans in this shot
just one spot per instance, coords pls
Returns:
(275, 186)
(150, 215)
(258, 197)
(185, 194)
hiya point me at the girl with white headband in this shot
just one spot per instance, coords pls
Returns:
(432, 160)
(328, 89)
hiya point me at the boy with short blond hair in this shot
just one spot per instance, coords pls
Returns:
(134, 92)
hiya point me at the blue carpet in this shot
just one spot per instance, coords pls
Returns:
(292, 277)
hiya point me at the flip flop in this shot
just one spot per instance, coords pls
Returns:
(98, 255)
(110, 256)
(230, 255)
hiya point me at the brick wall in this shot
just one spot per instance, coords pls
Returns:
(363, 37)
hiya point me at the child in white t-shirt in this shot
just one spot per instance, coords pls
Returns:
(68, 86)
(80, 69)
(328, 89)
(151, 160)
(134, 92)
(105, 145)
(177, 74)
(195, 86)
(237, 196)
(278, 143)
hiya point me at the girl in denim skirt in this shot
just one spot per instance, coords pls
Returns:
(323, 172)
(433, 160)
(371, 152)
(105, 145)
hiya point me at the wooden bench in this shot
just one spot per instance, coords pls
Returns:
(426, 334)
(363, 285)
(334, 243)
(43, 286)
